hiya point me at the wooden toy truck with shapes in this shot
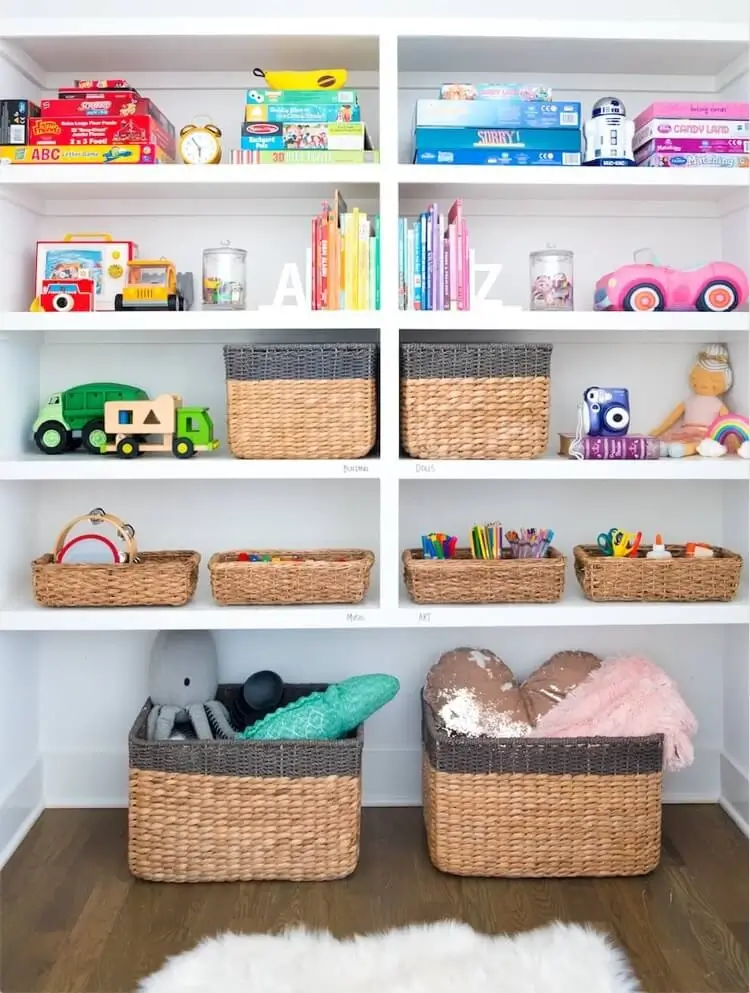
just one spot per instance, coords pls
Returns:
(153, 284)
(183, 430)
(79, 409)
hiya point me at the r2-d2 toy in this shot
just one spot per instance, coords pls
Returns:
(608, 135)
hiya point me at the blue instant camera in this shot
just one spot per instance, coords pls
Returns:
(606, 411)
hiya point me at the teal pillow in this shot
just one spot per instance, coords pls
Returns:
(327, 715)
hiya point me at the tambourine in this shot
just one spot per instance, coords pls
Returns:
(67, 548)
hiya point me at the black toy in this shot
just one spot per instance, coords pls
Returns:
(260, 695)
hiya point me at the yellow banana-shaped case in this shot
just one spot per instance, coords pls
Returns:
(314, 79)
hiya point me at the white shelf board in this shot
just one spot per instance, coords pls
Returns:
(579, 327)
(572, 182)
(193, 326)
(555, 467)
(530, 45)
(178, 181)
(523, 45)
(194, 44)
(204, 327)
(200, 614)
(573, 611)
(36, 466)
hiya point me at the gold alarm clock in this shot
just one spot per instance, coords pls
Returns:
(200, 144)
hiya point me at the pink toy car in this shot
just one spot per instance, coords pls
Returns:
(716, 287)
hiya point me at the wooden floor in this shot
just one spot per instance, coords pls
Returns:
(73, 919)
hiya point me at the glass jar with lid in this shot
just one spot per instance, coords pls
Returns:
(224, 277)
(551, 277)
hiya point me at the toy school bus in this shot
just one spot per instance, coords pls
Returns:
(152, 285)
(183, 431)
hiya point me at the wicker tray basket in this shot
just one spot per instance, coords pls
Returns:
(315, 401)
(541, 807)
(467, 580)
(475, 401)
(221, 811)
(337, 575)
(681, 578)
(146, 579)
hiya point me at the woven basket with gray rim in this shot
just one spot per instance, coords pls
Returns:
(308, 401)
(475, 401)
(541, 806)
(228, 811)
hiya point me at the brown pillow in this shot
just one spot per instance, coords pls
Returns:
(552, 682)
(473, 692)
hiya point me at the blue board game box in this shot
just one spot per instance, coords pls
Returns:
(497, 157)
(539, 139)
(497, 114)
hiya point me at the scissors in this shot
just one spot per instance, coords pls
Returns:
(618, 543)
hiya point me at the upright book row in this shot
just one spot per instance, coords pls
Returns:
(434, 260)
(345, 258)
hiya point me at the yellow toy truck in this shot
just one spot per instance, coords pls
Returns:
(155, 284)
(160, 425)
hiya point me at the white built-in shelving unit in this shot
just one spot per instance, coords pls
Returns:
(72, 680)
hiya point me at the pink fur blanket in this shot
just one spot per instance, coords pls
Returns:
(625, 697)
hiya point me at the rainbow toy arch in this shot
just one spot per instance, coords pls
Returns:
(728, 426)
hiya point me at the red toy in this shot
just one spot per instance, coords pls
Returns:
(71, 295)
(716, 287)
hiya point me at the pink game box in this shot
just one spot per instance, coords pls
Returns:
(721, 146)
(661, 128)
(697, 160)
(694, 111)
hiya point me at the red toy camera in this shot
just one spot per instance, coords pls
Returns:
(62, 296)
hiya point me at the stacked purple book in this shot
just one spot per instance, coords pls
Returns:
(632, 446)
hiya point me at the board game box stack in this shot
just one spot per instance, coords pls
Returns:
(434, 260)
(345, 258)
(692, 134)
(93, 121)
(292, 126)
(497, 124)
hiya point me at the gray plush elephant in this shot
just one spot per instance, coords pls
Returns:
(183, 679)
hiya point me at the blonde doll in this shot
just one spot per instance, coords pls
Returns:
(687, 425)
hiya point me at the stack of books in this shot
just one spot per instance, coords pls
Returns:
(291, 126)
(497, 124)
(692, 133)
(433, 260)
(345, 258)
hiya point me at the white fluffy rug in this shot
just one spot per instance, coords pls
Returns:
(438, 958)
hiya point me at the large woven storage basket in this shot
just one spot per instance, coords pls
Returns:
(541, 807)
(316, 401)
(467, 580)
(338, 575)
(228, 811)
(681, 578)
(475, 401)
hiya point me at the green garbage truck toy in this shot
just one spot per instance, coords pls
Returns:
(79, 411)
